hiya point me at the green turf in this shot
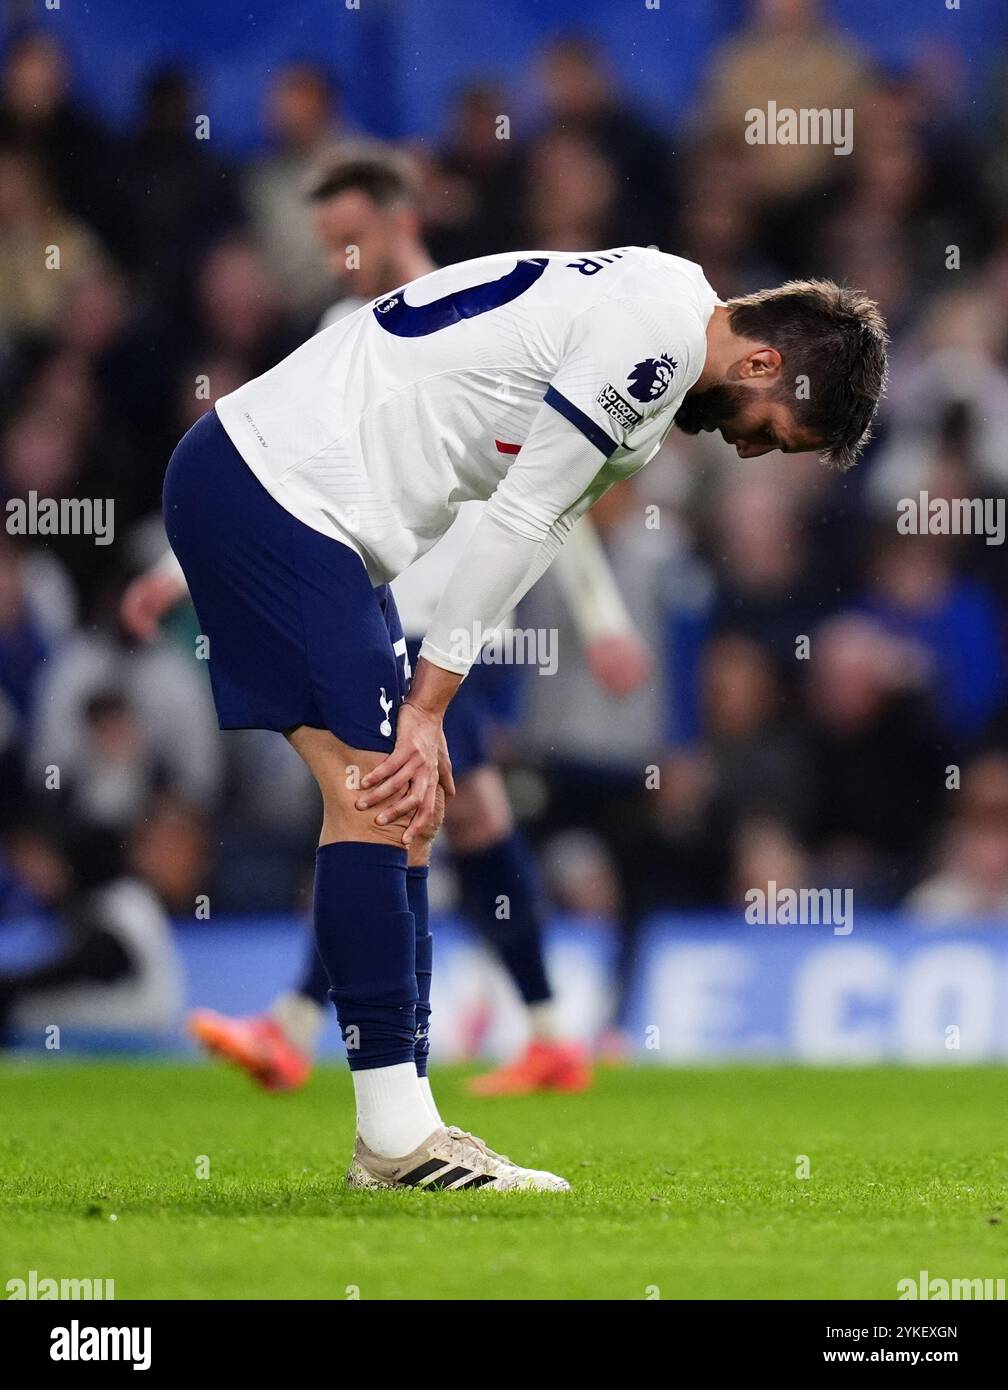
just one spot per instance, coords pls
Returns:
(684, 1183)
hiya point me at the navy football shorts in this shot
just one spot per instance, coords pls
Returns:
(296, 632)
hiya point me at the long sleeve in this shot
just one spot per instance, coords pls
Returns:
(521, 531)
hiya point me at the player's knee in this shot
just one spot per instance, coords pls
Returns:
(421, 845)
(341, 820)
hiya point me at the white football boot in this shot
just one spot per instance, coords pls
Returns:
(448, 1160)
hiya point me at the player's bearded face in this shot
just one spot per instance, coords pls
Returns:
(714, 409)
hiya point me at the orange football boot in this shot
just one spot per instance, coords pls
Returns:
(256, 1044)
(542, 1066)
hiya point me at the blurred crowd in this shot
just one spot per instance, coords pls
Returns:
(828, 702)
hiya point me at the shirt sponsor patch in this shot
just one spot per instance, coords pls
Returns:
(621, 411)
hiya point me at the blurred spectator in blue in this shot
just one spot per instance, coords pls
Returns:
(36, 607)
(112, 970)
(915, 593)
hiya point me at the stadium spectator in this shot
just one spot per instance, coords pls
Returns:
(916, 594)
(470, 188)
(42, 248)
(789, 52)
(571, 195)
(581, 98)
(301, 121)
(173, 740)
(971, 879)
(36, 609)
(171, 852)
(876, 759)
(186, 199)
(761, 549)
(112, 971)
(74, 153)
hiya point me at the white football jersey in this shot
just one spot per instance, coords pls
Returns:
(379, 427)
(417, 591)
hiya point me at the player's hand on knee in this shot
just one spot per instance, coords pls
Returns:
(405, 783)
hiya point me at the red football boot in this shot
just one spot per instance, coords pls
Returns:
(256, 1044)
(543, 1066)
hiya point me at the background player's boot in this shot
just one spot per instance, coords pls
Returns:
(256, 1044)
(543, 1066)
(449, 1160)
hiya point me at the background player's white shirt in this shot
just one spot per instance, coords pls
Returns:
(342, 309)
(417, 591)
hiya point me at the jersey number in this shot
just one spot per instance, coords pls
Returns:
(417, 321)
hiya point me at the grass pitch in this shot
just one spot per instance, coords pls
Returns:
(684, 1186)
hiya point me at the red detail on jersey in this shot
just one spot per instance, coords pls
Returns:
(503, 448)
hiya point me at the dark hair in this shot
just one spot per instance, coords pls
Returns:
(836, 338)
(383, 173)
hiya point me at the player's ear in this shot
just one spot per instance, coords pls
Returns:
(759, 365)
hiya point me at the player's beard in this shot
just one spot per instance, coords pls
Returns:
(712, 409)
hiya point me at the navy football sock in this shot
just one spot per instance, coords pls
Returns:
(365, 936)
(314, 983)
(507, 871)
(416, 891)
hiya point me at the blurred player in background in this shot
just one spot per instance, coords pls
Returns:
(365, 215)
